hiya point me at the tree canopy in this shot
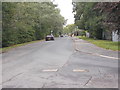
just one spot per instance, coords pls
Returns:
(25, 21)
(97, 17)
(69, 28)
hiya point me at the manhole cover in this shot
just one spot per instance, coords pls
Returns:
(50, 70)
(80, 70)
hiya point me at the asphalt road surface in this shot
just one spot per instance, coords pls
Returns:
(57, 64)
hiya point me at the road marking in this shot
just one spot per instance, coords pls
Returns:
(50, 70)
(108, 57)
(80, 70)
(75, 46)
(105, 56)
(98, 55)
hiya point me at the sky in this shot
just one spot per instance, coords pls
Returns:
(66, 8)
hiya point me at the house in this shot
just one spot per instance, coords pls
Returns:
(115, 36)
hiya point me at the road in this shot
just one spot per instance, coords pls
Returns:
(58, 64)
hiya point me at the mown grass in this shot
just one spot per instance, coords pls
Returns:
(5, 49)
(103, 43)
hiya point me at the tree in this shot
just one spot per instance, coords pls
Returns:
(24, 22)
(69, 28)
(97, 17)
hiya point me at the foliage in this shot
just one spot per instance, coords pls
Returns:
(24, 22)
(95, 17)
(0, 24)
(83, 33)
(69, 28)
(112, 11)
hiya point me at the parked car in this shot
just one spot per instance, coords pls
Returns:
(66, 35)
(61, 35)
(49, 37)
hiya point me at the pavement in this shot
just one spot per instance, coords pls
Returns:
(64, 63)
(86, 47)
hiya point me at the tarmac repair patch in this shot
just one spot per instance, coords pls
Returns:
(50, 70)
(80, 70)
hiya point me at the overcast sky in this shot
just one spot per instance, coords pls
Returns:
(66, 10)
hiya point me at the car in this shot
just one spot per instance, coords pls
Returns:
(61, 35)
(66, 35)
(49, 37)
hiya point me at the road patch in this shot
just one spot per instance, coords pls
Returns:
(80, 70)
(50, 70)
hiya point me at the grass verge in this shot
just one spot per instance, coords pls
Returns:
(5, 49)
(103, 43)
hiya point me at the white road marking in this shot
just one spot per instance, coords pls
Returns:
(50, 70)
(95, 53)
(99, 55)
(106, 56)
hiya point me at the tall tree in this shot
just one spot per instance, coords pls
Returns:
(23, 22)
(96, 17)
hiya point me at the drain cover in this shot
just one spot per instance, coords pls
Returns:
(50, 70)
(80, 70)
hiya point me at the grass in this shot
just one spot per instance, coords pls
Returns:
(103, 43)
(5, 49)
